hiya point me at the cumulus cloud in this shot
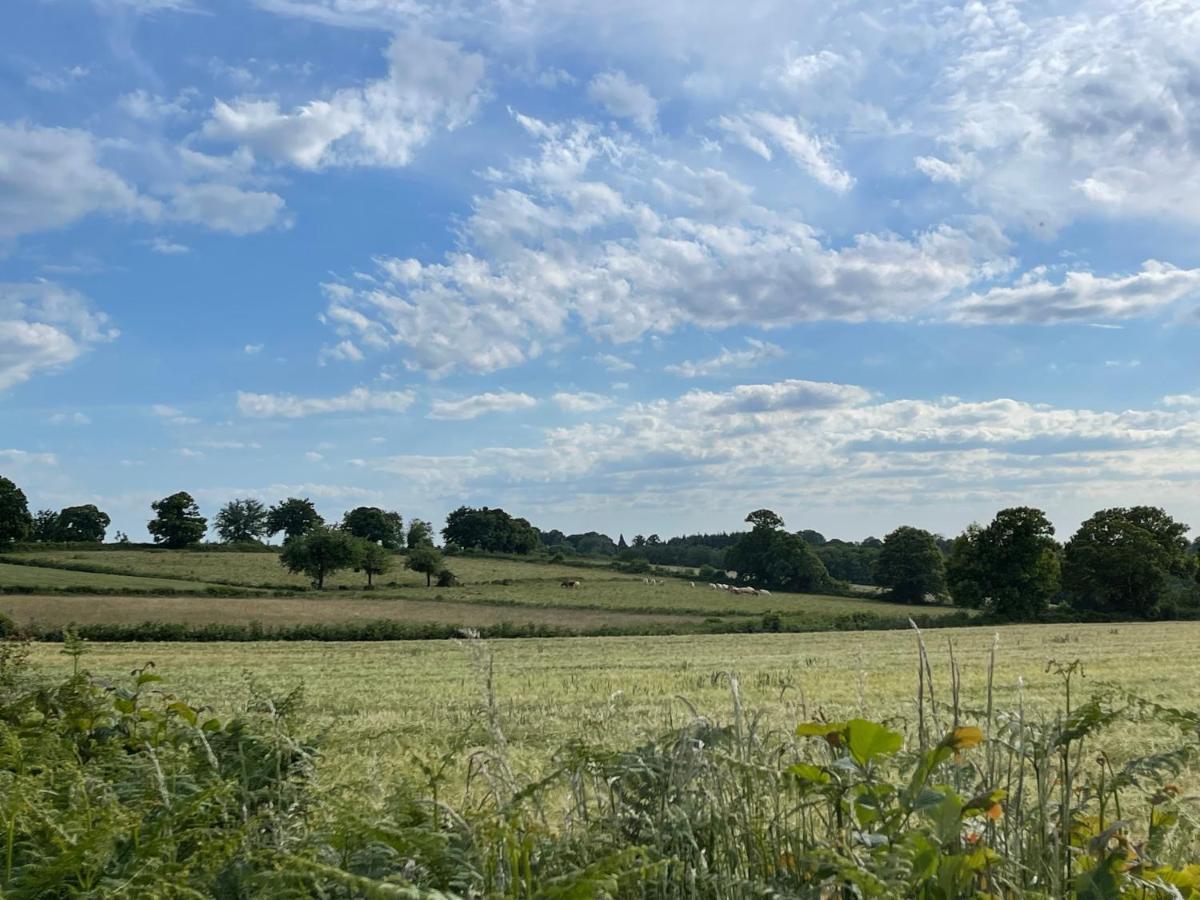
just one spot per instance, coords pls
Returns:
(75, 418)
(756, 353)
(288, 406)
(1090, 112)
(52, 177)
(1081, 296)
(44, 326)
(430, 85)
(226, 207)
(480, 404)
(28, 458)
(172, 414)
(625, 99)
(582, 402)
(572, 238)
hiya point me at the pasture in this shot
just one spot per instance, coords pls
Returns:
(532, 591)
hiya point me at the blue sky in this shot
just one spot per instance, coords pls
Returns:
(627, 266)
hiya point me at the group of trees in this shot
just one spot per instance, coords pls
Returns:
(1126, 560)
(492, 530)
(85, 523)
(1130, 561)
(771, 557)
(322, 551)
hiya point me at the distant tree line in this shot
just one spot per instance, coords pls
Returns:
(1125, 561)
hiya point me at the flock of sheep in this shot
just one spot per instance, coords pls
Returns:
(731, 588)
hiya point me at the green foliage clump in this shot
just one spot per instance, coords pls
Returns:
(15, 521)
(1010, 568)
(1122, 560)
(491, 530)
(177, 521)
(768, 556)
(425, 559)
(294, 516)
(373, 559)
(319, 553)
(911, 566)
(242, 521)
(375, 525)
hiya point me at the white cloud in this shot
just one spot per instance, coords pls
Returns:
(314, 456)
(148, 107)
(57, 81)
(758, 130)
(939, 169)
(252, 349)
(75, 418)
(173, 415)
(226, 207)
(756, 353)
(168, 247)
(1081, 296)
(480, 404)
(44, 326)
(1087, 112)
(287, 406)
(570, 238)
(189, 453)
(581, 402)
(430, 85)
(28, 458)
(614, 363)
(52, 177)
(625, 99)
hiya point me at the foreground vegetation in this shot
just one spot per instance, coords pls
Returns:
(525, 774)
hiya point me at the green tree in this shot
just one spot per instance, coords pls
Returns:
(373, 559)
(910, 565)
(375, 525)
(320, 552)
(768, 556)
(425, 559)
(420, 533)
(82, 523)
(177, 521)
(1122, 559)
(45, 526)
(493, 530)
(294, 516)
(1010, 567)
(242, 521)
(15, 521)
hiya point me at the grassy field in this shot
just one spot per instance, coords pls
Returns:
(56, 611)
(65, 579)
(379, 704)
(533, 589)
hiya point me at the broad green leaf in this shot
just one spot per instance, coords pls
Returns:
(868, 740)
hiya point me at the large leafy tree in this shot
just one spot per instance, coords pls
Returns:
(768, 556)
(294, 516)
(910, 565)
(241, 521)
(15, 521)
(493, 530)
(425, 559)
(420, 533)
(375, 525)
(82, 523)
(1010, 567)
(45, 526)
(320, 552)
(373, 559)
(1122, 559)
(177, 521)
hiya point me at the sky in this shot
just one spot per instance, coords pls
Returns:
(625, 266)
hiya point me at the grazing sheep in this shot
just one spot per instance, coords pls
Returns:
(570, 584)
(764, 593)
(713, 586)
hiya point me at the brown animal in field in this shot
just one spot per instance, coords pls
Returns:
(570, 584)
